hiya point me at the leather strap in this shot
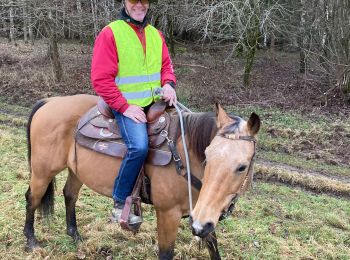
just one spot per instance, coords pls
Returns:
(195, 182)
(132, 200)
(177, 159)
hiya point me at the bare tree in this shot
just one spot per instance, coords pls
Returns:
(12, 25)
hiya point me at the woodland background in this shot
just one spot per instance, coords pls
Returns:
(288, 61)
(318, 29)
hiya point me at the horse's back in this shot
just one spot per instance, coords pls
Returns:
(52, 128)
(64, 108)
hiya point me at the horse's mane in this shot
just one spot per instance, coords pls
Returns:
(201, 128)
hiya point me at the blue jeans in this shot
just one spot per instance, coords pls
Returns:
(136, 139)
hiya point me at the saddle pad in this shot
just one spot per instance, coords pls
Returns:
(97, 132)
(118, 149)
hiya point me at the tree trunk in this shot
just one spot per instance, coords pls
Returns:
(12, 25)
(326, 39)
(303, 38)
(53, 51)
(345, 83)
(55, 58)
(25, 22)
(94, 16)
(80, 20)
(253, 35)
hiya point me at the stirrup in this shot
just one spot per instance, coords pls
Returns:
(124, 219)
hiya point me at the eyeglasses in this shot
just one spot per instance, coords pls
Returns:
(134, 2)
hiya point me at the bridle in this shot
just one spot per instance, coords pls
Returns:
(230, 207)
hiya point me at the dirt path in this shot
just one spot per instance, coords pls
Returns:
(300, 171)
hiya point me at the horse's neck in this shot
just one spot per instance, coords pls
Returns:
(201, 125)
(196, 166)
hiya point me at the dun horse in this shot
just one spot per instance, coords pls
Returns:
(221, 151)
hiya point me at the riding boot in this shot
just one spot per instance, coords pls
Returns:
(117, 212)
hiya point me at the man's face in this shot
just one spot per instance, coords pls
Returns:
(137, 9)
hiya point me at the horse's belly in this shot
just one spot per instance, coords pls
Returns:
(95, 170)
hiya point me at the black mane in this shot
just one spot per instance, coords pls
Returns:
(201, 128)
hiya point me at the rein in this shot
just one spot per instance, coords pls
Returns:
(189, 181)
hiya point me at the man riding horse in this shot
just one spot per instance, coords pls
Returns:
(130, 62)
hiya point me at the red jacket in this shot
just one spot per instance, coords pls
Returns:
(104, 67)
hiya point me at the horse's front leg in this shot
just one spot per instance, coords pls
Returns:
(167, 225)
(212, 245)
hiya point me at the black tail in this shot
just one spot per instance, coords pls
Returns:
(46, 207)
(36, 107)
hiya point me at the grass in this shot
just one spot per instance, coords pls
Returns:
(270, 222)
(311, 142)
(314, 183)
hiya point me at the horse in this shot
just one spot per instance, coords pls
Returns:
(221, 148)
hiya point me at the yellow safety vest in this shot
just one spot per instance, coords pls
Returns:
(139, 73)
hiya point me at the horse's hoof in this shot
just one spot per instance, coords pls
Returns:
(32, 245)
(77, 238)
(75, 235)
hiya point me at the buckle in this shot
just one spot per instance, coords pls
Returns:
(177, 159)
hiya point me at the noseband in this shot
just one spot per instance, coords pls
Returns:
(230, 207)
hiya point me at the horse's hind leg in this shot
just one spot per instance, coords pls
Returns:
(71, 192)
(39, 193)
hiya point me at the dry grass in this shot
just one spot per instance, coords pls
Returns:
(295, 178)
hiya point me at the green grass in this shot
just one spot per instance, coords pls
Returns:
(13, 109)
(270, 222)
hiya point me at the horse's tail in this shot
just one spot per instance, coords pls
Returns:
(46, 206)
(36, 107)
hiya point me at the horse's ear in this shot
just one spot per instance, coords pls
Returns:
(221, 117)
(253, 124)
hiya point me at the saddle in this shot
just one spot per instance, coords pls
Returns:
(97, 130)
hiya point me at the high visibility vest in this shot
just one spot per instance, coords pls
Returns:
(139, 77)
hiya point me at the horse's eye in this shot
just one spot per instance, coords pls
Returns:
(242, 168)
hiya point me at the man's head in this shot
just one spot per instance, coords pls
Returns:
(137, 9)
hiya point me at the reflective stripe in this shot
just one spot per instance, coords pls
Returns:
(141, 94)
(137, 95)
(137, 79)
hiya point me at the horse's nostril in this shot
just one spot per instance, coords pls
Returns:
(208, 227)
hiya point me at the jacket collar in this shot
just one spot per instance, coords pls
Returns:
(125, 17)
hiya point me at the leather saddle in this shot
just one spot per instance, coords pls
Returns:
(97, 130)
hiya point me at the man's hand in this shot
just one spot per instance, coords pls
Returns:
(169, 94)
(135, 113)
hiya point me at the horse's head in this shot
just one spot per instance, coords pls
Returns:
(228, 171)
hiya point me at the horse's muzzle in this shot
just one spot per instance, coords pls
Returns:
(200, 230)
